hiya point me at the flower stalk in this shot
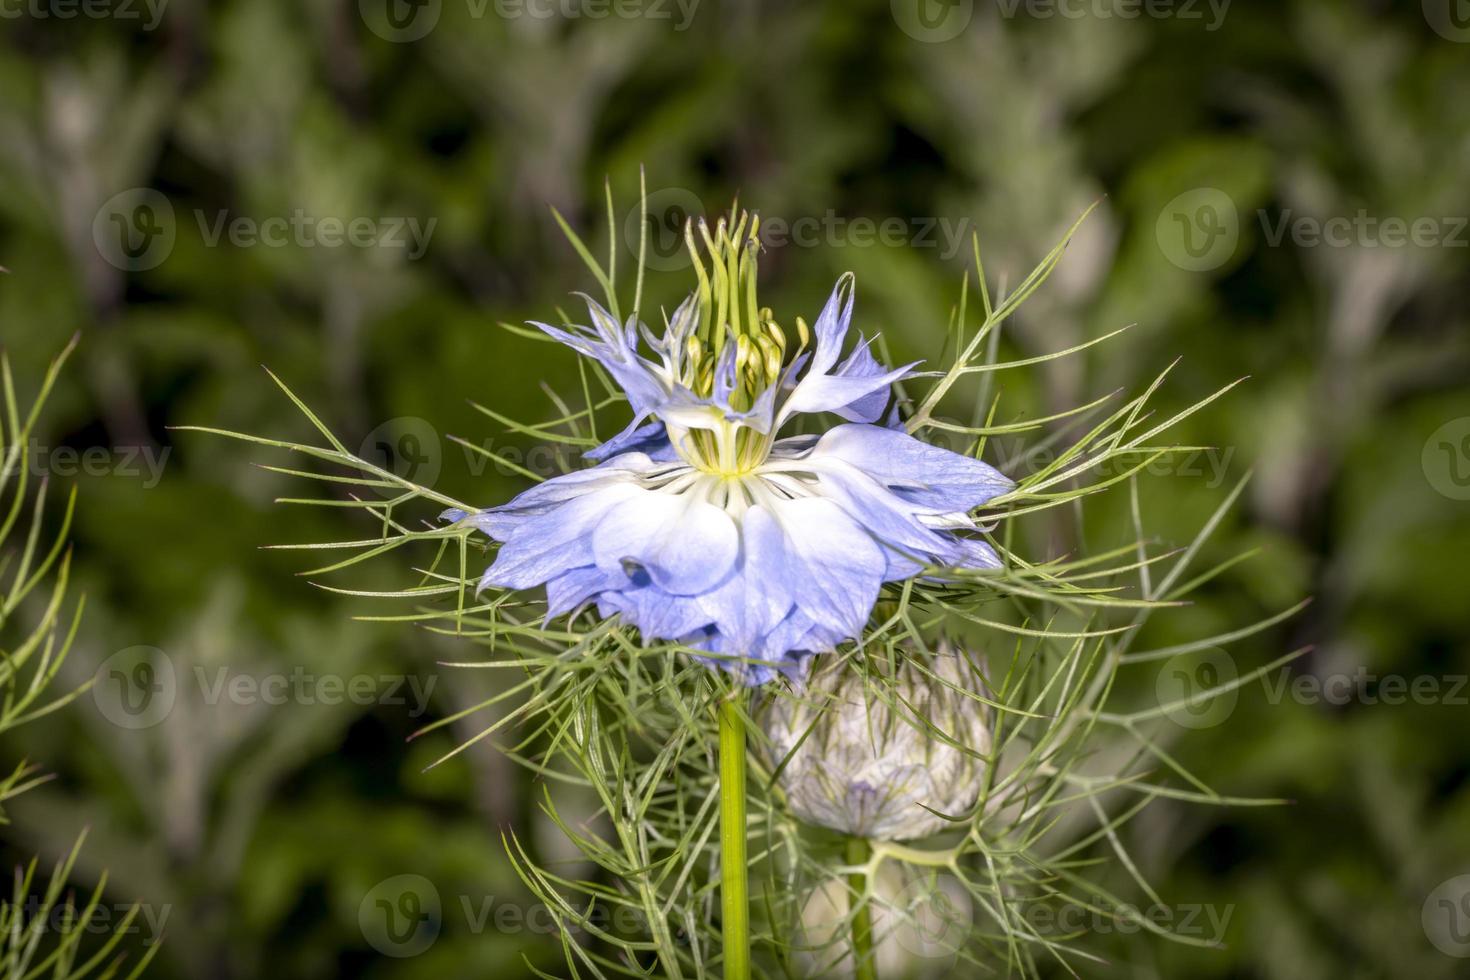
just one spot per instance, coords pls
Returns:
(865, 965)
(734, 900)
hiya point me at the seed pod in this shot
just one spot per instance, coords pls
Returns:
(873, 755)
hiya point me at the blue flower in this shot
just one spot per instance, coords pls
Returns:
(701, 525)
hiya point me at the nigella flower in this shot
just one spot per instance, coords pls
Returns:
(701, 524)
(882, 764)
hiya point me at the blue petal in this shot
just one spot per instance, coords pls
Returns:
(548, 544)
(836, 569)
(657, 614)
(687, 544)
(862, 364)
(749, 603)
(926, 475)
(648, 438)
(891, 519)
(501, 522)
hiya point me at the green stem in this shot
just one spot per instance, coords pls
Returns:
(734, 903)
(866, 964)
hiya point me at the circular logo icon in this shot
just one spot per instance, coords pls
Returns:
(135, 230)
(1185, 683)
(669, 211)
(1450, 19)
(406, 446)
(1446, 917)
(1446, 459)
(401, 916)
(400, 21)
(135, 688)
(1199, 229)
(932, 21)
(935, 916)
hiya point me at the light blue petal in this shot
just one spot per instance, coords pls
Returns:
(930, 477)
(751, 602)
(862, 364)
(501, 522)
(657, 614)
(687, 544)
(837, 568)
(554, 542)
(570, 589)
(648, 438)
(834, 393)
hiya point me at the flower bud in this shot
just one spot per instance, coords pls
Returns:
(874, 753)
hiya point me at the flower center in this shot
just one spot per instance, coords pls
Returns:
(728, 449)
(732, 343)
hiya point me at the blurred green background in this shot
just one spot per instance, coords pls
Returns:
(355, 194)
